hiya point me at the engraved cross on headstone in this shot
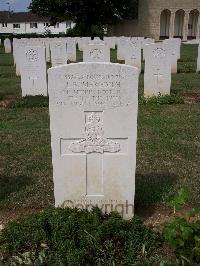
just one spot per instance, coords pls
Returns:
(158, 76)
(93, 146)
(33, 79)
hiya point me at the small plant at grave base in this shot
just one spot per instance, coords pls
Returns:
(161, 99)
(183, 235)
(178, 200)
(78, 237)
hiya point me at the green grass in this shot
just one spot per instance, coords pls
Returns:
(188, 61)
(9, 83)
(75, 237)
(25, 172)
(189, 53)
(167, 149)
(185, 83)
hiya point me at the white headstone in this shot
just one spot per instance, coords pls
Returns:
(198, 59)
(46, 43)
(97, 40)
(20, 44)
(58, 50)
(145, 42)
(174, 44)
(8, 46)
(96, 53)
(71, 49)
(157, 75)
(93, 118)
(133, 53)
(121, 44)
(47, 46)
(33, 71)
(82, 42)
(14, 49)
(110, 42)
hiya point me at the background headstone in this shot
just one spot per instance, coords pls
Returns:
(121, 44)
(8, 46)
(82, 42)
(33, 71)
(174, 45)
(157, 74)
(19, 44)
(132, 53)
(71, 49)
(110, 42)
(145, 42)
(96, 53)
(58, 50)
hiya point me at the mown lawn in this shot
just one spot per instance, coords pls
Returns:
(168, 148)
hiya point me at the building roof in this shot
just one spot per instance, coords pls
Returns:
(10, 17)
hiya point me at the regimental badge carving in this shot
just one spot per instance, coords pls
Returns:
(58, 44)
(159, 53)
(94, 141)
(96, 53)
(32, 55)
(134, 43)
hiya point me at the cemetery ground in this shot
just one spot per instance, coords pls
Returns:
(168, 146)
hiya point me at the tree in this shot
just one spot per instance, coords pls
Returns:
(90, 16)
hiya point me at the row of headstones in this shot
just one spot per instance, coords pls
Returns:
(93, 122)
(160, 59)
(93, 110)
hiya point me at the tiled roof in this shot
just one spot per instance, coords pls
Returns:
(10, 17)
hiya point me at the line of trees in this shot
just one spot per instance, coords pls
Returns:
(91, 16)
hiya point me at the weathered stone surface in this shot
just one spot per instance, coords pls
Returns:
(58, 50)
(82, 42)
(93, 118)
(174, 45)
(8, 46)
(157, 75)
(96, 53)
(33, 71)
(132, 52)
(121, 44)
(110, 41)
(71, 49)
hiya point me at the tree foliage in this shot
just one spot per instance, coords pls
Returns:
(89, 15)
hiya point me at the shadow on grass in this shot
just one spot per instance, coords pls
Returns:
(153, 188)
(31, 102)
(12, 184)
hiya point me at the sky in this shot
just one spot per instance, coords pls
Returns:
(15, 5)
